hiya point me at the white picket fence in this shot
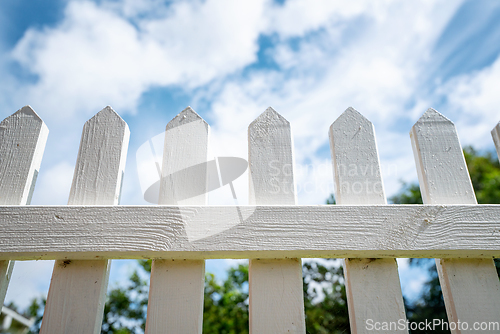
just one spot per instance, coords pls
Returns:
(273, 232)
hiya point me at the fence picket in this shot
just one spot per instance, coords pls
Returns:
(177, 286)
(372, 285)
(275, 286)
(471, 288)
(23, 136)
(495, 133)
(77, 292)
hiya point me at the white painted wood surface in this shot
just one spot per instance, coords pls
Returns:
(273, 287)
(76, 298)
(276, 302)
(372, 285)
(471, 288)
(6, 268)
(495, 133)
(176, 297)
(355, 160)
(332, 231)
(23, 136)
(101, 160)
(177, 287)
(77, 293)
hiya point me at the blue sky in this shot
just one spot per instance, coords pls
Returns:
(391, 60)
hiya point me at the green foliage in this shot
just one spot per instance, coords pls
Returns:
(325, 299)
(484, 172)
(330, 200)
(226, 302)
(409, 194)
(125, 309)
(226, 305)
(431, 304)
(35, 310)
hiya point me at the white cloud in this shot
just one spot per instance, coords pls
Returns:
(372, 62)
(473, 99)
(95, 57)
(296, 17)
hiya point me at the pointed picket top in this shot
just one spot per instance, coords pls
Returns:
(350, 115)
(26, 111)
(23, 136)
(429, 120)
(101, 159)
(186, 116)
(269, 116)
(107, 114)
(270, 157)
(267, 124)
(186, 146)
(21, 118)
(355, 160)
(441, 167)
(495, 133)
(432, 115)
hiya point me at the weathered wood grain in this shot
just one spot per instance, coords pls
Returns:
(176, 290)
(277, 279)
(372, 285)
(355, 160)
(186, 145)
(75, 302)
(276, 302)
(270, 159)
(77, 293)
(23, 136)
(471, 288)
(441, 168)
(135, 232)
(176, 287)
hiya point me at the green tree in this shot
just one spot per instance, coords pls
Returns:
(484, 170)
(125, 309)
(226, 303)
(35, 310)
(325, 299)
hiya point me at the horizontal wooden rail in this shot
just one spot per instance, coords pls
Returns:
(207, 232)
